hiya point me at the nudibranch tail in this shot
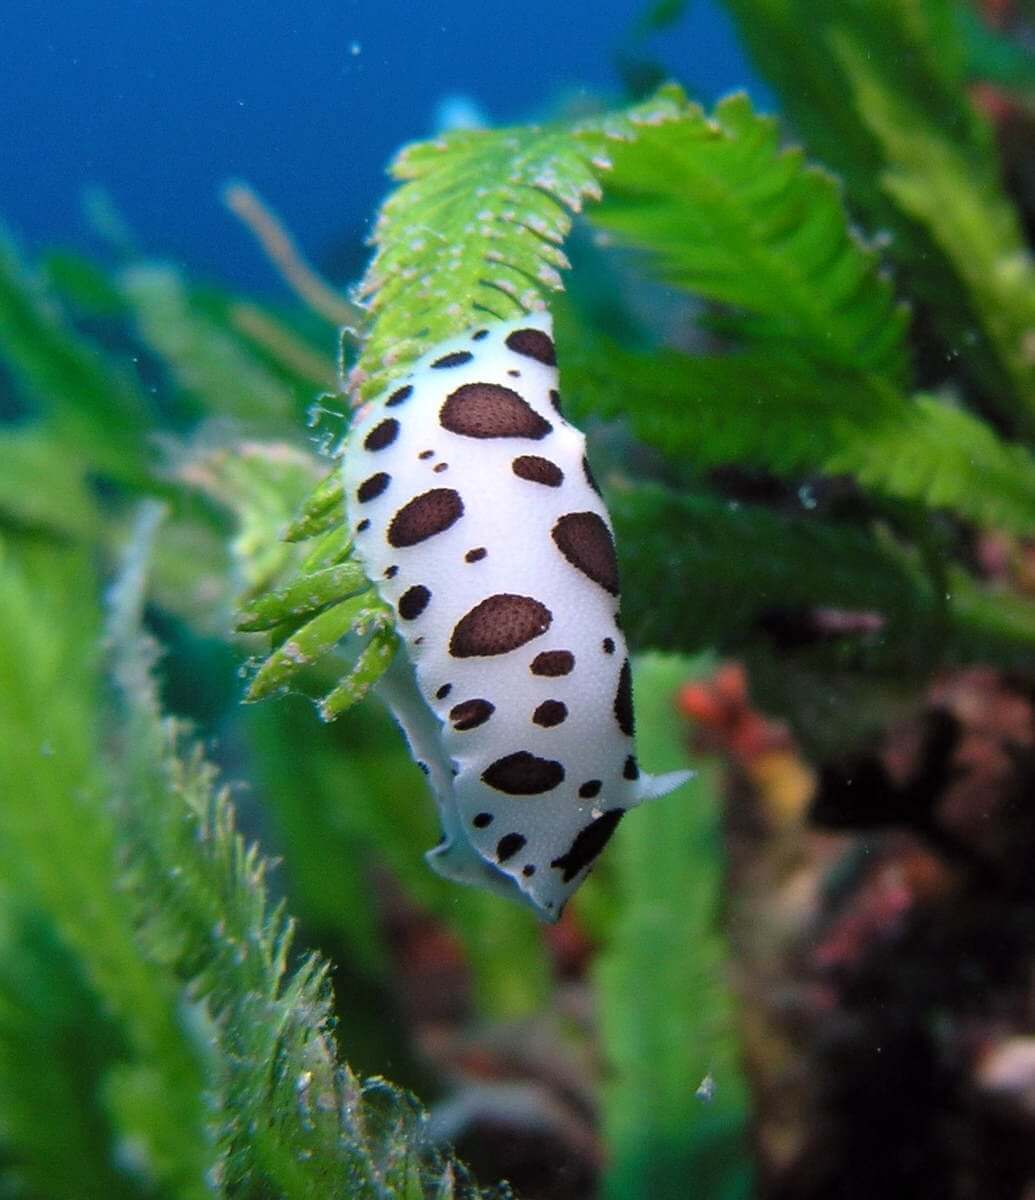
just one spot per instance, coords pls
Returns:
(653, 787)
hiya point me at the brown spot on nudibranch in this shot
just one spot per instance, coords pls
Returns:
(553, 662)
(523, 774)
(469, 714)
(538, 470)
(424, 516)
(456, 359)
(624, 700)
(399, 396)
(550, 713)
(499, 624)
(590, 478)
(413, 602)
(475, 555)
(438, 468)
(426, 454)
(533, 343)
(585, 541)
(508, 846)
(371, 488)
(382, 435)
(588, 844)
(488, 410)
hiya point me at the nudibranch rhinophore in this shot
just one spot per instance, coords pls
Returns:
(474, 512)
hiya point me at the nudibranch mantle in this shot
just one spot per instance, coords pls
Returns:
(475, 514)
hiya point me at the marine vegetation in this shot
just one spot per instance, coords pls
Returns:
(802, 349)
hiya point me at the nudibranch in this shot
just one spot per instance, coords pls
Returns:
(475, 514)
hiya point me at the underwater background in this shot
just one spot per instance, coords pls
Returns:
(786, 247)
(160, 103)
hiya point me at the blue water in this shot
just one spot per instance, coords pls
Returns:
(160, 101)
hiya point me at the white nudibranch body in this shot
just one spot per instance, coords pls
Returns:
(475, 514)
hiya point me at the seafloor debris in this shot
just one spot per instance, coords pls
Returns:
(881, 919)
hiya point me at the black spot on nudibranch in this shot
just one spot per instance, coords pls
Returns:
(477, 337)
(508, 846)
(550, 713)
(443, 691)
(488, 410)
(555, 400)
(553, 662)
(609, 645)
(424, 516)
(481, 820)
(363, 526)
(585, 541)
(528, 870)
(590, 789)
(523, 774)
(533, 343)
(391, 572)
(588, 844)
(538, 470)
(399, 396)
(590, 479)
(382, 435)
(631, 770)
(475, 555)
(499, 624)
(426, 454)
(456, 359)
(469, 714)
(413, 602)
(624, 701)
(371, 488)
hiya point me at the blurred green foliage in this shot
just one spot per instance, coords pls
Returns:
(876, 90)
(820, 422)
(665, 1016)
